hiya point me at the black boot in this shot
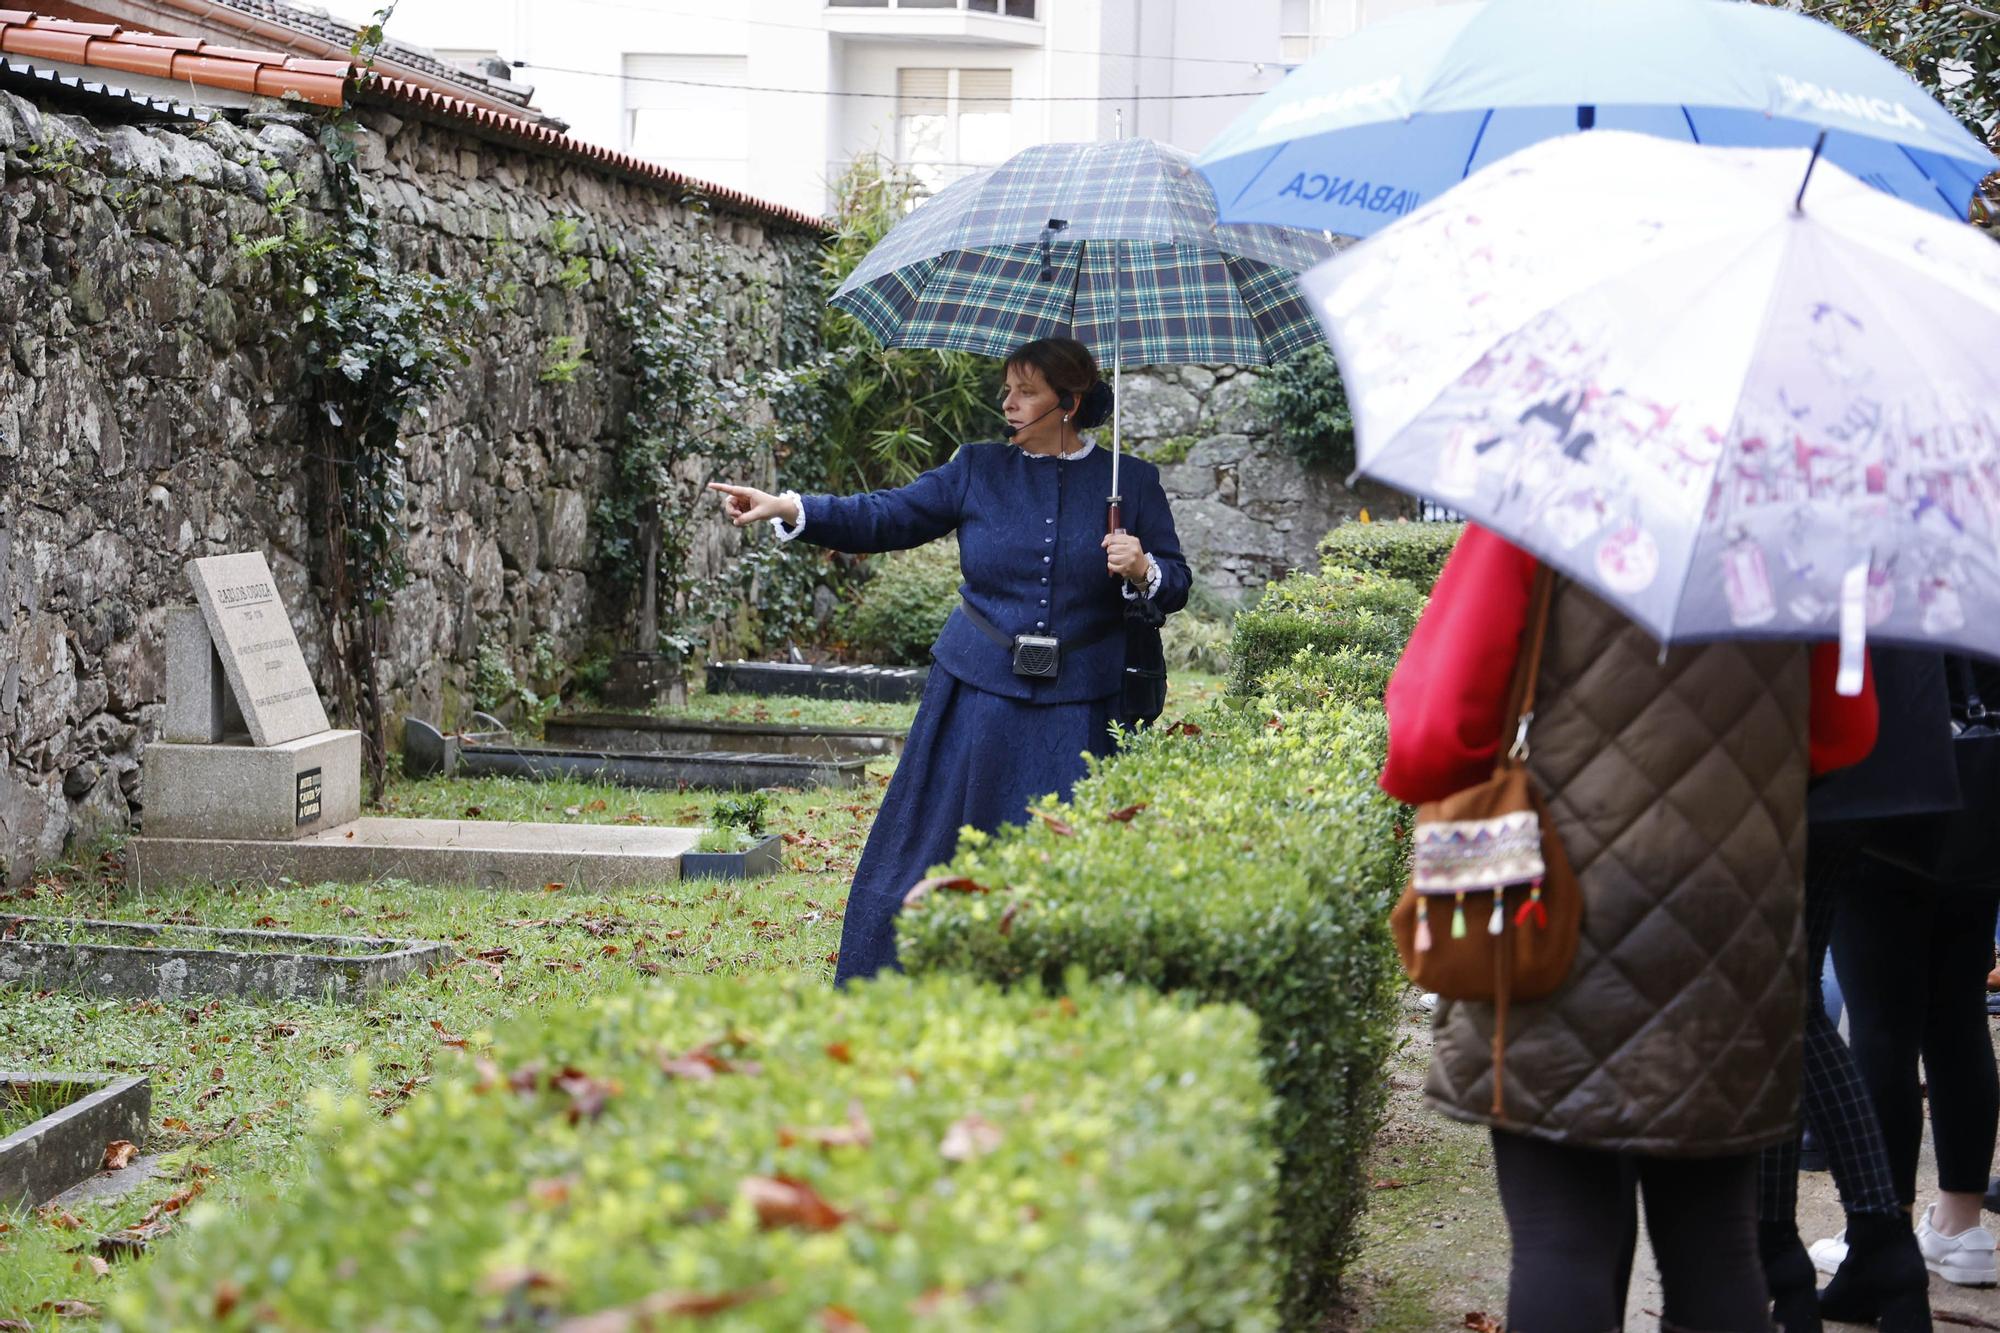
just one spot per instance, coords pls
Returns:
(1789, 1273)
(1883, 1280)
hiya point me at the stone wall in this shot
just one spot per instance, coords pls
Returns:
(1246, 509)
(149, 399)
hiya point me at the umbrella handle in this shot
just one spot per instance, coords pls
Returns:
(1114, 519)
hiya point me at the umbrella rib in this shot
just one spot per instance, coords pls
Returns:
(1925, 173)
(1477, 140)
(1729, 427)
(1688, 116)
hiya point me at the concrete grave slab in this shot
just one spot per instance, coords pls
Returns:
(260, 653)
(289, 790)
(129, 959)
(882, 684)
(642, 732)
(479, 853)
(66, 1147)
(429, 753)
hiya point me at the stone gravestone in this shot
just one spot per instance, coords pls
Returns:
(234, 667)
(247, 782)
(260, 654)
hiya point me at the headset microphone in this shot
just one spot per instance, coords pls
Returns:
(1063, 404)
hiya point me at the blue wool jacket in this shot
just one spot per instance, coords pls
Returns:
(1030, 530)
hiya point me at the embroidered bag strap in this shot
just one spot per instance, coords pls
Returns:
(1528, 666)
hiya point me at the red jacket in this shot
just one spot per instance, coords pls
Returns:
(1448, 695)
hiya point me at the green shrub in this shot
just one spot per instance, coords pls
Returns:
(905, 604)
(1412, 552)
(746, 810)
(1250, 858)
(1315, 679)
(1332, 609)
(1306, 404)
(778, 1156)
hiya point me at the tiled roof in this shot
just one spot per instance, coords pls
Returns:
(329, 83)
(181, 59)
(318, 23)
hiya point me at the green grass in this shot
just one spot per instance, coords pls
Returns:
(234, 1085)
(22, 1104)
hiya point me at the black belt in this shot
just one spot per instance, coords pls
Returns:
(1006, 640)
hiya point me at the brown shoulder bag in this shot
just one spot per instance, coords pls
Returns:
(1493, 912)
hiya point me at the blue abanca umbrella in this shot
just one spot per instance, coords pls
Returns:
(1383, 121)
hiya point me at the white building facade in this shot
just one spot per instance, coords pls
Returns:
(777, 97)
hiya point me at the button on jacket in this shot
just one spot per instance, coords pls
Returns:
(1030, 533)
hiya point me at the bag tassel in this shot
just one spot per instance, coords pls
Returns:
(1423, 925)
(1458, 918)
(1498, 920)
(1532, 910)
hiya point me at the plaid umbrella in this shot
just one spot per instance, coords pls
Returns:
(1114, 244)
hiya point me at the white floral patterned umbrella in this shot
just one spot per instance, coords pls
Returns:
(1735, 391)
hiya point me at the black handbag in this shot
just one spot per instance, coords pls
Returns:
(1961, 847)
(1144, 695)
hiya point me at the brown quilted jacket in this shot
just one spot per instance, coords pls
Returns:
(1679, 791)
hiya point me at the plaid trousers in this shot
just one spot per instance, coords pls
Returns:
(1831, 1095)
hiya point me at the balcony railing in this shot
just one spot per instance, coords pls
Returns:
(1013, 9)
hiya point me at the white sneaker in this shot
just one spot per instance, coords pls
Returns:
(1829, 1254)
(1965, 1259)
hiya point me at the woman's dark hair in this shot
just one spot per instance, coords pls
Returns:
(1070, 369)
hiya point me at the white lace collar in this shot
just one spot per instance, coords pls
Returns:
(1084, 452)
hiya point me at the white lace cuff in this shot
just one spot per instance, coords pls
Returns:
(1152, 582)
(788, 531)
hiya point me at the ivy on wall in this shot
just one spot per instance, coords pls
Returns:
(377, 343)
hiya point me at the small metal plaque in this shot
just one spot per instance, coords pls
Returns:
(309, 796)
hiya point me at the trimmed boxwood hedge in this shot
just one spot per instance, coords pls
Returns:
(1412, 552)
(767, 1154)
(1332, 609)
(1246, 856)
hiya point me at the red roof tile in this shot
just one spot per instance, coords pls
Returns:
(105, 45)
(325, 83)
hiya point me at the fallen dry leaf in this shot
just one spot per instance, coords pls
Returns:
(118, 1154)
(501, 1281)
(973, 1136)
(1125, 816)
(68, 1309)
(641, 1314)
(587, 1096)
(1481, 1322)
(781, 1201)
(856, 1133)
(923, 888)
(840, 1319)
(60, 1218)
(1184, 728)
(840, 1052)
(451, 1039)
(1056, 826)
(554, 886)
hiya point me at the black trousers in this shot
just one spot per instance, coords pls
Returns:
(1573, 1216)
(1832, 1094)
(1912, 957)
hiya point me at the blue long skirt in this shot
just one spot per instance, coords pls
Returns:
(971, 758)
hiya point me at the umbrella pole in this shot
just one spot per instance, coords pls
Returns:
(1115, 520)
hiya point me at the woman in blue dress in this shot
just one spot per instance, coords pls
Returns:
(1000, 723)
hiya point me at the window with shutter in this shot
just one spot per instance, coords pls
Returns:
(949, 121)
(691, 113)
